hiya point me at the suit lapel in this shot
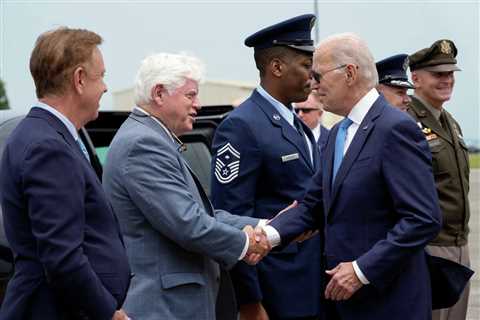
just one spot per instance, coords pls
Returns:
(361, 136)
(327, 168)
(428, 120)
(288, 132)
(58, 125)
(149, 122)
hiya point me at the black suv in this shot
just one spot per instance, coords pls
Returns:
(97, 136)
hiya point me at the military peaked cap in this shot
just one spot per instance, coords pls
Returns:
(294, 33)
(440, 57)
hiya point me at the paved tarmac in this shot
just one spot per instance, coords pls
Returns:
(474, 241)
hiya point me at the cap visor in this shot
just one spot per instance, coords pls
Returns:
(442, 68)
(399, 83)
(303, 48)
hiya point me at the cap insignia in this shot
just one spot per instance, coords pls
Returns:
(445, 47)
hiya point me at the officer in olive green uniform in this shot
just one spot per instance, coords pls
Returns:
(433, 76)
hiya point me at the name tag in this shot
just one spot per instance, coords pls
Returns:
(434, 142)
(289, 157)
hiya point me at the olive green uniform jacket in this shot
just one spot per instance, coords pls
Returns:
(451, 170)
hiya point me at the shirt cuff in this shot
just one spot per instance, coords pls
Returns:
(245, 248)
(359, 273)
(273, 236)
(262, 223)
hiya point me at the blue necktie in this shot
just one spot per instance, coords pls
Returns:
(340, 145)
(83, 148)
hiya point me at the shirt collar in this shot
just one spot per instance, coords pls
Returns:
(435, 112)
(173, 137)
(360, 110)
(70, 127)
(286, 113)
(316, 132)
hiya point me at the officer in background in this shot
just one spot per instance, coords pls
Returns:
(264, 157)
(310, 111)
(433, 76)
(393, 80)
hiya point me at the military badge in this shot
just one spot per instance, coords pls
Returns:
(445, 47)
(227, 164)
(426, 130)
(406, 63)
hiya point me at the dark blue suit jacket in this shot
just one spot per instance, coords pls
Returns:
(70, 261)
(287, 282)
(381, 212)
(322, 140)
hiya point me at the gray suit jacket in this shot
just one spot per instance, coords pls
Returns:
(176, 242)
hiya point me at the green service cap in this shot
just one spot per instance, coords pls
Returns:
(439, 57)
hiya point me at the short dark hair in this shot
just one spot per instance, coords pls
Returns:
(264, 56)
(56, 54)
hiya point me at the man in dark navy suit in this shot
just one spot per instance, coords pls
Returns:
(70, 262)
(393, 81)
(310, 111)
(374, 200)
(264, 158)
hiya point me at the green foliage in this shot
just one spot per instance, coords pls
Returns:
(474, 160)
(3, 97)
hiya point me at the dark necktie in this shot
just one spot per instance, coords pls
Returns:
(443, 122)
(340, 145)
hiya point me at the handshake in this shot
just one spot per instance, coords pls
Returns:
(258, 245)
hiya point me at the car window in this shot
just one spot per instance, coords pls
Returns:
(196, 154)
(6, 266)
(6, 128)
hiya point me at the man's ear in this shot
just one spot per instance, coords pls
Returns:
(276, 67)
(415, 78)
(158, 93)
(78, 79)
(351, 73)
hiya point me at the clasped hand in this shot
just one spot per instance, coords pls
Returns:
(258, 245)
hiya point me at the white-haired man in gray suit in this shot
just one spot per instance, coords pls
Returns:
(177, 244)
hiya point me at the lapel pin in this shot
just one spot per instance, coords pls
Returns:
(276, 117)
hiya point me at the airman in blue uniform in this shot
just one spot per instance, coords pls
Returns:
(393, 80)
(264, 158)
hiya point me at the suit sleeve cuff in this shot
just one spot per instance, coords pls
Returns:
(359, 273)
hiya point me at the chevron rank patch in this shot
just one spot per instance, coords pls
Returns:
(227, 164)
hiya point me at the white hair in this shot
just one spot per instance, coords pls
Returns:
(350, 48)
(167, 69)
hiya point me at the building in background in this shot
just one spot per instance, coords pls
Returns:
(212, 93)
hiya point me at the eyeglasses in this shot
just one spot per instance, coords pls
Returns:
(319, 76)
(304, 110)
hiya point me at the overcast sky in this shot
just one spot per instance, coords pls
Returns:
(215, 30)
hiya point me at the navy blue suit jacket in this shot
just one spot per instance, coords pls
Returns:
(381, 212)
(70, 261)
(274, 169)
(322, 140)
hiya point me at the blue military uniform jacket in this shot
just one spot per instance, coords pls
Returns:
(261, 164)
